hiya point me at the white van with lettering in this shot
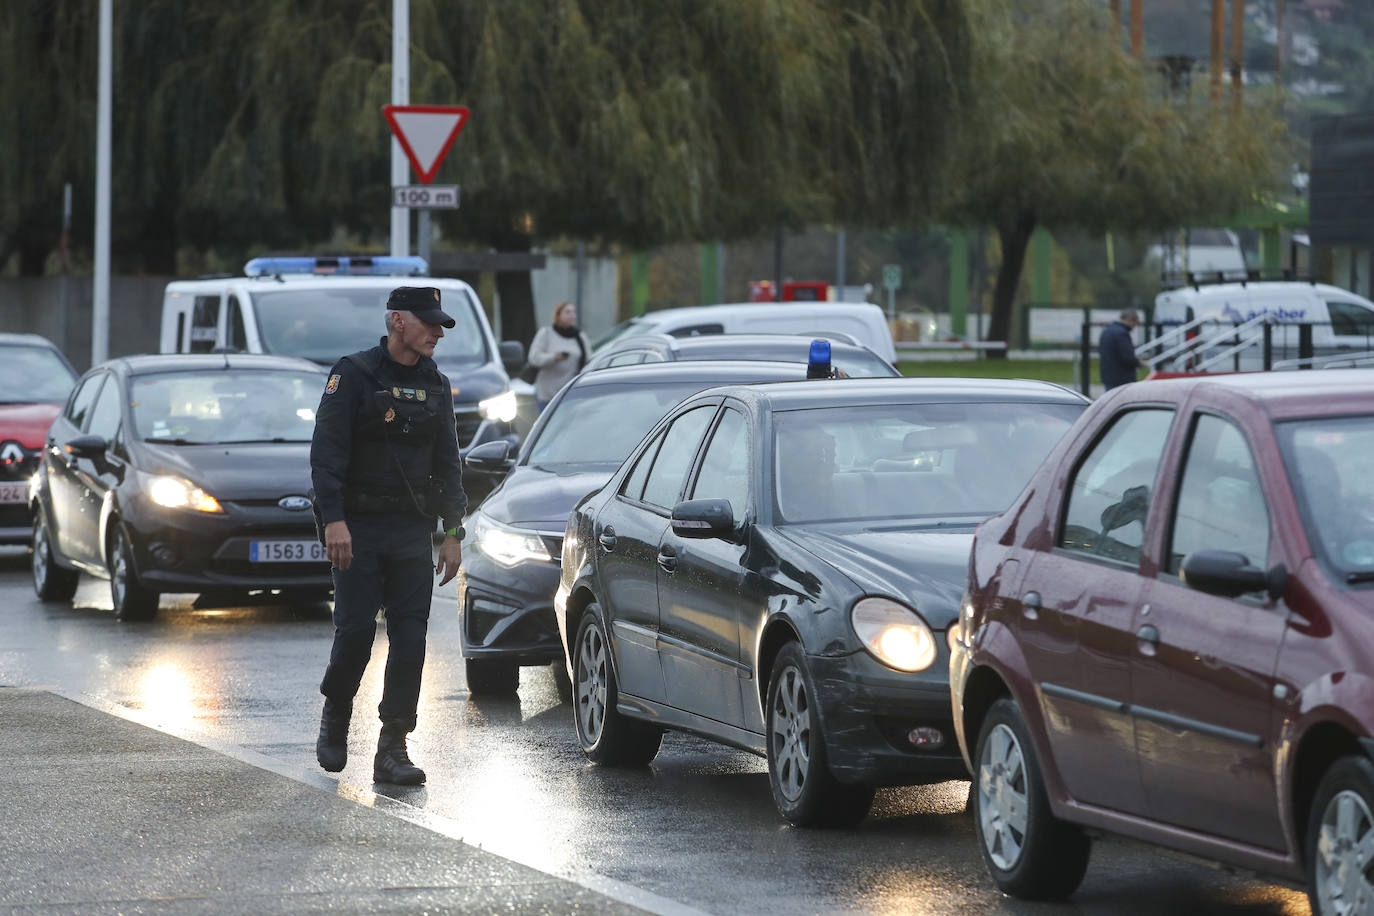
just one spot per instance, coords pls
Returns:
(325, 308)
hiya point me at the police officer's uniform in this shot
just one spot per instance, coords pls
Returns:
(384, 458)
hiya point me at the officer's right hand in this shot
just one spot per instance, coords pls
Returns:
(338, 544)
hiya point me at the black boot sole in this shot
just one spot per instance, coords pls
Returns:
(382, 778)
(331, 766)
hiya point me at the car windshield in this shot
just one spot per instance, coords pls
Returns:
(225, 405)
(325, 324)
(1331, 465)
(594, 425)
(910, 461)
(33, 375)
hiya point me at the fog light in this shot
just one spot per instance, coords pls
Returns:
(164, 554)
(925, 738)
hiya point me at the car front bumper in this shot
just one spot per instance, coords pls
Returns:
(869, 711)
(506, 612)
(179, 550)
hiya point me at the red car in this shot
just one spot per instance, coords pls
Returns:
(35, 379)
(1170, 636)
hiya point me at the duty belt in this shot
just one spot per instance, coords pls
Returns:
(374, 503)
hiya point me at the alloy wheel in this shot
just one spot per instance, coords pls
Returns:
(1345, 854)
(119, 572)
(591, 684)
(42, 557)
(790, 733)
(1002, 801)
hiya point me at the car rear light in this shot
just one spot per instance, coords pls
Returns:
(925, 738)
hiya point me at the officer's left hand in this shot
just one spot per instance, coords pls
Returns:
(450, 555)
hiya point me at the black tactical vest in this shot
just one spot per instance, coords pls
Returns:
(394, 431)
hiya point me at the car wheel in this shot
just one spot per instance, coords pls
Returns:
(607, 737)
(806, 792)
(132, 600)
(1340, 840)
(1030, 853)
(50, 581)
(490, 677)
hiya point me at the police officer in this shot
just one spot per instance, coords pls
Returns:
(384, 461)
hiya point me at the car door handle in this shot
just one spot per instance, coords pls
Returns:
(667, 559)
(1030, 605)
(607, 539)
(1149, 639)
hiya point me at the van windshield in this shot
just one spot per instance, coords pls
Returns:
(325, 324)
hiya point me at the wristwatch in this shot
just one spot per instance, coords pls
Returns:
(460, 532)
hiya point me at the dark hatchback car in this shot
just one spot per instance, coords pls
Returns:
(1170, 635)
(35, 379)
(182, 474)
(775, 567)
(514, 538)
(846, 354)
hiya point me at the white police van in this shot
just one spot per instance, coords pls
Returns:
(1340, 320)
(325, 308)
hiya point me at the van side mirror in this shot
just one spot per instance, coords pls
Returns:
(1230, 575)
(704, 518)
(490, 457)
(512, 356)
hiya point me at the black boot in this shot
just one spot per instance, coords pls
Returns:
(392, 763)
(331, 748)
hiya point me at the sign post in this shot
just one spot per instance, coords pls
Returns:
(426, 133)
(892, 279)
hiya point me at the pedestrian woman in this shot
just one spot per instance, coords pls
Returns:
(559, 352)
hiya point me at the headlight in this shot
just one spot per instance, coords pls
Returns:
(894, 634)
(508, 546)
(501, 408)
(176, 493)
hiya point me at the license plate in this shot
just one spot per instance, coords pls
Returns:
(286, 552)
(12, 493)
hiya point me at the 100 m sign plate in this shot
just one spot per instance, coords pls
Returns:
(425, 196)
(286, 552)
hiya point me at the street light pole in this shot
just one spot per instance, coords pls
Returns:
(100, 293)
(400, 95)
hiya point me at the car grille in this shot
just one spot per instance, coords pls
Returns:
(466, 422)
(18, 469)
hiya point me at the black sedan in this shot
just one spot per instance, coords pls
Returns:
(776, 567)
(514, 538)
(182, 474)
(846, 354)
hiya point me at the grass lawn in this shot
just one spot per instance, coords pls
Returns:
(1050, 370)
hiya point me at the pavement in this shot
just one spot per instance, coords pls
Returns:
(103, 815)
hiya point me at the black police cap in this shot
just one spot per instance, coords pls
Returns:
(422, 302)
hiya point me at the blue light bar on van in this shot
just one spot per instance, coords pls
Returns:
(818, 361)
(365, 266)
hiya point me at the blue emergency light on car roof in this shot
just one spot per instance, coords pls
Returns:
(818, 362)
(364, 266)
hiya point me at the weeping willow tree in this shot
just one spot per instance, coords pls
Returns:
(1067, 131)
(613, 121)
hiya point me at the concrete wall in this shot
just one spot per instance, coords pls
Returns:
(557, 282)
(59, 308)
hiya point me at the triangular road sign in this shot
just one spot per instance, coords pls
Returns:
(426, 132)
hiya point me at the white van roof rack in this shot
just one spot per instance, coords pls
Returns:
(1176, 280)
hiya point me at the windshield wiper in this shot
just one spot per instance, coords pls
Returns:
(175, 442)
(1364, 575)
(258, 441)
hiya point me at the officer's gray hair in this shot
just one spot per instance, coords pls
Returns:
(1129, 315)
(387, 319)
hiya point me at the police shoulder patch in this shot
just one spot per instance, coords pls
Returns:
(333, 385)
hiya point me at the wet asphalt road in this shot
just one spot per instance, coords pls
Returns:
(698, 827)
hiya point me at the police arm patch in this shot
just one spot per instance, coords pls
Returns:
(333, 385)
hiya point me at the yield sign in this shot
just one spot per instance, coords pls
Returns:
(426, 132)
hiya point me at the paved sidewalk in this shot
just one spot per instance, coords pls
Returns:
(102, 815)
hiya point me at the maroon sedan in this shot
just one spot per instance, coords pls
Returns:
(1170, 635)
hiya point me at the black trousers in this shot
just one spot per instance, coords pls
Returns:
(393, 568)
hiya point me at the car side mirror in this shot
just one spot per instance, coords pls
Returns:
(512, 356)
(490, 457)
(92, 447)
(1230, 575)
(704, 518)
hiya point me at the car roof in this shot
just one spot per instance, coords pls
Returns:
(708, 371)
(853, 392)
(702, 311)
(746, 341)
(312, 281)
(1284, 394)
(28, 340)
(180, 362)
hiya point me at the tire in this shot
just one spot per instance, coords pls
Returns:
(132, 600)
(50, 581)
(491, 677)
(607, 737)
(805, 791)
(1028, 851)
(1342, 816)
